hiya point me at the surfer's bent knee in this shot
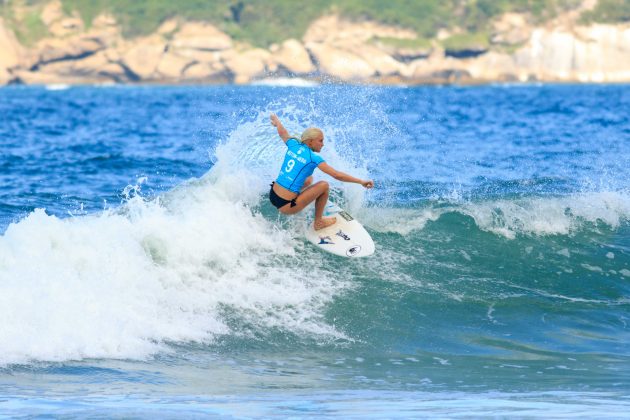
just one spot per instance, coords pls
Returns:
(323, 184)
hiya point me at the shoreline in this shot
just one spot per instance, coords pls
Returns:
(61, 85)
(332, 51)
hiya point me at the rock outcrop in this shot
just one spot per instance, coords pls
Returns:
(340, 63)
(248, 64)
(10, 53)
(201, 36)
(293, 57)
(57, 49)
(143, 56)
(332, 49)
(598, 53)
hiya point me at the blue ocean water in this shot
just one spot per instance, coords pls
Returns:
(143, 272)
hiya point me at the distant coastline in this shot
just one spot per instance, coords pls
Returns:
(334, 49)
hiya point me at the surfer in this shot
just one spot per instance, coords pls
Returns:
(292, 190)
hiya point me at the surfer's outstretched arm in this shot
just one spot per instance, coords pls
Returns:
(282, 132)
(344, 177)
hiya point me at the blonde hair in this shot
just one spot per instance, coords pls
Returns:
(311, 133)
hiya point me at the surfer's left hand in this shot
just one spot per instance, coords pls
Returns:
(368, 184)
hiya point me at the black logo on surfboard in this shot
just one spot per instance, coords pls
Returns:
(346, 216)
(343, 235)
(353, 250)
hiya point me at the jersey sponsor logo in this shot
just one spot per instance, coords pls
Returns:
(296, 157)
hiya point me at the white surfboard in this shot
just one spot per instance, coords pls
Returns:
(346, 237)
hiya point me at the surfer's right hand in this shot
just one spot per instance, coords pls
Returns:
(274, 120)
(368, 184)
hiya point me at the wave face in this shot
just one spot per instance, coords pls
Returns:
(136, 228)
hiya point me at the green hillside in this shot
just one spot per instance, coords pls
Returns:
(609, 11)
(262, 22)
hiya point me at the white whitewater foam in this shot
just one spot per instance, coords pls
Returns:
(57, 86)
(285, 81)
(126, 282)
(401, 221)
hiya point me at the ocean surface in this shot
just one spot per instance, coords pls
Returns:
(144, 274)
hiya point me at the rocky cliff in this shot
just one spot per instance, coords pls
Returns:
(332, 49)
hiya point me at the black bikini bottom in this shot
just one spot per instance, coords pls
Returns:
(278, 201)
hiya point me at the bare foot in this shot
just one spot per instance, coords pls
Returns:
(324, 222)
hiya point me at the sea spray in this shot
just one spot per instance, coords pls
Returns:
(253, 152)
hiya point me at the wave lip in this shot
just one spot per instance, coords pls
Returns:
(550, 216)
(530, 216)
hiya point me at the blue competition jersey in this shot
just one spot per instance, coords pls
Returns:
(299, 163)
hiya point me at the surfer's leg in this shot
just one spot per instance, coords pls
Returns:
(320, 204)
(317, 192)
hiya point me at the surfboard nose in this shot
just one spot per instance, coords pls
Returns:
(346, 237)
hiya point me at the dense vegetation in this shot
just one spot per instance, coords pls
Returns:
(609, 11)
(262, 22)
